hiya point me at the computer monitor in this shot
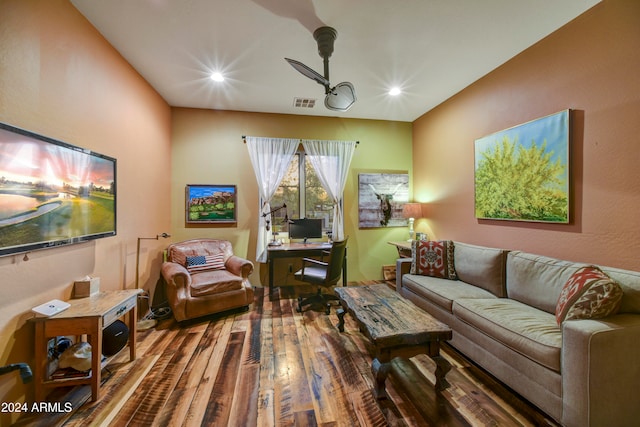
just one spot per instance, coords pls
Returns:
(305, 228)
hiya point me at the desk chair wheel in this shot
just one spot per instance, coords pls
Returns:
(327, 309)
(316, 301)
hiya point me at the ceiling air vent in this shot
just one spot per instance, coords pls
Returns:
(304, 102)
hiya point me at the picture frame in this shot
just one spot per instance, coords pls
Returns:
(211, 204)
(380, 199)
(523, 173)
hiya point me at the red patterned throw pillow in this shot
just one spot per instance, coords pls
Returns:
(588, 294)
(433, 258)
(205, 262)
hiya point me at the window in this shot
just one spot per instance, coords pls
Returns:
(311, 198)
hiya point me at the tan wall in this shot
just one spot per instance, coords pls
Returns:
(60, 78)
(208, 149)
(590, 65)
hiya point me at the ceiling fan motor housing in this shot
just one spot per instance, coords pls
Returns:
(325, 36)
(342, 96)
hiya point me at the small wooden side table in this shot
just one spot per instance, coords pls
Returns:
(86, 316)
(404, 248)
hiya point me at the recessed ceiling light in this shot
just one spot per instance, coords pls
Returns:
(217, 77)
(395, 91)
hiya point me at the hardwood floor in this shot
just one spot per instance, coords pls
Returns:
(272, 366)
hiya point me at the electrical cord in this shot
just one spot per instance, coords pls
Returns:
(156, 313)
(159, 313)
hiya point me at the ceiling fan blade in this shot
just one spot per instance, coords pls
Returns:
(341, 97)
(313, 75)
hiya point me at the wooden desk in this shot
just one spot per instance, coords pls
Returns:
(300, 250)
(86, 316)
(396, 327)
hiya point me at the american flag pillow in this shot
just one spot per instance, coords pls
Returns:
(205, 262)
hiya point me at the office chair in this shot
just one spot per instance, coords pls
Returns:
(324, 274)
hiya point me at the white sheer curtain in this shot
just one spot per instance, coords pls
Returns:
(270, 158)
(331, 160)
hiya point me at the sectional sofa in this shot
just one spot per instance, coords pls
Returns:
(502, 307)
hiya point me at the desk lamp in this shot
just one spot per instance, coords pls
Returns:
(275, 242)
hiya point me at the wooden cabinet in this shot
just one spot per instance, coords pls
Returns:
(86, 317)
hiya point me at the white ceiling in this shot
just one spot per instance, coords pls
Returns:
(431, 49)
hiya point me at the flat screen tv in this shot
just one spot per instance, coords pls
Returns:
(52, 193)
(305, 228)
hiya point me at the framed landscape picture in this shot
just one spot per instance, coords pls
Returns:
(522, 173)
(211, 204)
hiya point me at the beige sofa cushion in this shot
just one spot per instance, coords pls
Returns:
(630, 283)
(526, 330)
(442, 292)
(481, 266)
(537, 280)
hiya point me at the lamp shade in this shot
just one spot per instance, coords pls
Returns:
(412, 210)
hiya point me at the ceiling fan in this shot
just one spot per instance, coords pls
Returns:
(340, 97)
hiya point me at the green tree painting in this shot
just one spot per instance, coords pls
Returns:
(526, 182)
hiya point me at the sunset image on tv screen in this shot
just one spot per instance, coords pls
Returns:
(53, 193)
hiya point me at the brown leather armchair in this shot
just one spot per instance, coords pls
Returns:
(203, 276)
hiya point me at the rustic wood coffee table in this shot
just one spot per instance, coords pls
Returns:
(396, 327)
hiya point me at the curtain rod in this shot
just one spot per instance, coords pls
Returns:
(244, 140)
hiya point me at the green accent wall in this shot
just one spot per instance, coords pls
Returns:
(207, 148)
